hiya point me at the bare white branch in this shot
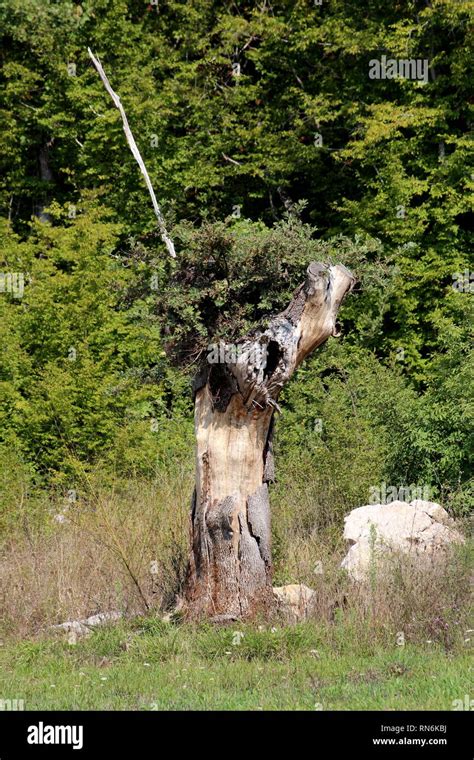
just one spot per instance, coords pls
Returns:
(231, 160)
(136, 153)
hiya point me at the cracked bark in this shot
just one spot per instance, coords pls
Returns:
(229, 574)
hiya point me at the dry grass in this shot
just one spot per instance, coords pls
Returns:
(423, 600)
(123, 546)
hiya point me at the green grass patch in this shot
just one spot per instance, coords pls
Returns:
(151, 665)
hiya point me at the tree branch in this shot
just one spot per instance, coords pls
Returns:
(267, 359)
(136, 153)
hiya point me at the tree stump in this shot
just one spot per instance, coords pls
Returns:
(229, 574)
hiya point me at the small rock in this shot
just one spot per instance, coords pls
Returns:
(75, 628)
(294, 601)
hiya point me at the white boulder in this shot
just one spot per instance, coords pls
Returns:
(421, 528)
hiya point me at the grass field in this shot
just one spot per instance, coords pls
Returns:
(349, 656)
(148, 664)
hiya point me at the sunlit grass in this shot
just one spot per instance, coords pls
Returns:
(152, 665)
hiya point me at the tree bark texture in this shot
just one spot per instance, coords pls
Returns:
(229, 573)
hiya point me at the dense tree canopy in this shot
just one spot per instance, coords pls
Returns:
(268, 145)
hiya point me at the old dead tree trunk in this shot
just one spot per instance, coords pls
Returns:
(230, 568)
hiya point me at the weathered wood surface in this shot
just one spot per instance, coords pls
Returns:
(230, 569)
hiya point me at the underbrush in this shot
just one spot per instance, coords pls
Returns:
(124, 549)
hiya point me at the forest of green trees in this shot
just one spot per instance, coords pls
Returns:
(269, 146)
